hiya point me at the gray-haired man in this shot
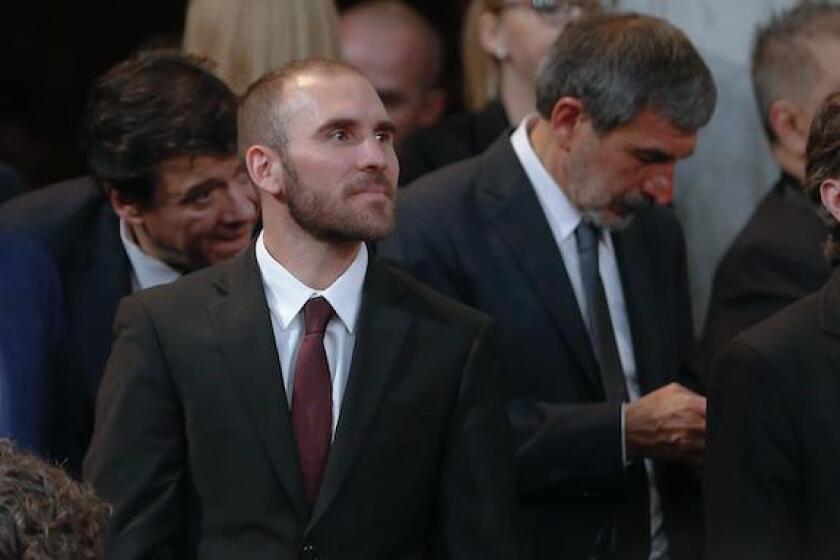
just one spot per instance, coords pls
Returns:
(558, 232)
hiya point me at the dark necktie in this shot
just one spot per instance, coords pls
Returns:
(629, 537)
(600, 324)
(312, 397)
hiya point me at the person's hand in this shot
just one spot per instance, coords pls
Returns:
(669, 423)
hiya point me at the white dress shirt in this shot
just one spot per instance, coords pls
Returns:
(146, 271)
(563, 219)
(286, 296)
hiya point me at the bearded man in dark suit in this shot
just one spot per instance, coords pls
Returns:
(558, 232)
(774, 407)
(305, 400)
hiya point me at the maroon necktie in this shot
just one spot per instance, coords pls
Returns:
(312, 397)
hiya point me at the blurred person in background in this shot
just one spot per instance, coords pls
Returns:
(167, 196)
(772, 490)
(44, 514)
(776, 259)
(30, 326)
(503, 43)
(247, 38)
(402, 55)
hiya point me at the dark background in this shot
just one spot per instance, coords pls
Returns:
(52, 51)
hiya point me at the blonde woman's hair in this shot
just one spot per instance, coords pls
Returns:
(247, 38)
(481, 69)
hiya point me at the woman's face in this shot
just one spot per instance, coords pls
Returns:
(519, 35)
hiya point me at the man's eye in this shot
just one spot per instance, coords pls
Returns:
(384, 137)
(340, 135)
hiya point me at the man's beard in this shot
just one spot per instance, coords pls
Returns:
(329, 219)
(620, 213)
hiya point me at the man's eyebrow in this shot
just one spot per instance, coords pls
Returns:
(333, 124)
(199, 188)
(653, 155)
(385, 126)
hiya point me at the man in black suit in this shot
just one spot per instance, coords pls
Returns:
(304, 399)
(774, 450)
(167, 196)
(776, 259)
(556, 231)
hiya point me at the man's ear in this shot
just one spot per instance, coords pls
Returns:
(265, 169)
(492, 36)
(787, 121)
(567, 116)
(131, 212)
(830, 194)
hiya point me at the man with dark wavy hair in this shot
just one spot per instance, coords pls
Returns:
(46, 514)
(167, 196)
(774, 454)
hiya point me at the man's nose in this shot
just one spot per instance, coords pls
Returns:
(375, 154)
(660, 186)
(240, 203)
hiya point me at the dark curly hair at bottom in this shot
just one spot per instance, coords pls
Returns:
(44, 514)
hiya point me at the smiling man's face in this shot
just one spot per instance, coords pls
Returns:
(203, 211)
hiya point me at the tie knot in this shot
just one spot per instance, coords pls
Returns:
(587, 235)
(317, 312)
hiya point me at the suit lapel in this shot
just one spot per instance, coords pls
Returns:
(382, 328)
(509, 204)
(638, 285)
(246, 339)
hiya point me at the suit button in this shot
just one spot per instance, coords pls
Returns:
(308, 552)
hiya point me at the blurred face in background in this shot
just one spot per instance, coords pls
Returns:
(400, 55)
(203, 212)
(518, 33)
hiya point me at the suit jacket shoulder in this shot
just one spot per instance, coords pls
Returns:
(456, 138)
(60, 216)
(775, 260)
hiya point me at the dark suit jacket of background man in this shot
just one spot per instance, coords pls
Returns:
(476, 231)
(76, 224)
(455, 138)
(194, 445)
(773, 490)
(775, 260)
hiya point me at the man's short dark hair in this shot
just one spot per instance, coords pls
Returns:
(823, 162)
(619, 65)
(783, 63)
(46, 514)
(154, 106)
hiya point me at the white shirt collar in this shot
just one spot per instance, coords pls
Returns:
(286, 294)
(147, 271)
(553, 200)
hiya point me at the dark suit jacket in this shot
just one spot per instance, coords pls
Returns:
(475, 231)
(775, 260)
(773, 490)
(455, 138)
(75, 223)
(194, 447)
(30, 325)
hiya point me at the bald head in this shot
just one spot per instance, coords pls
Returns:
(265, 107)
(402, 55)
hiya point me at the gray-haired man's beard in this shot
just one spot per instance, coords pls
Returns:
(621, 212)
